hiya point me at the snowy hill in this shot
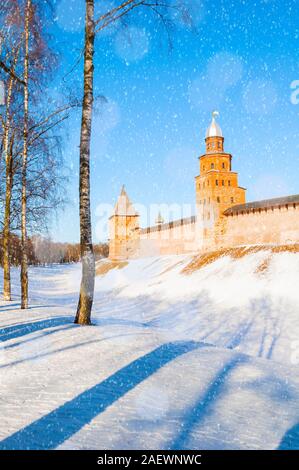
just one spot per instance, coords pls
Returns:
(185, 352)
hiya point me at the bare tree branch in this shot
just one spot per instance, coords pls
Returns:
(11, 73)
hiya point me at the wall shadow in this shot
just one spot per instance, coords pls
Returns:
(59, 425)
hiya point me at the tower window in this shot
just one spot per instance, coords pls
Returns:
(218, 199)
(231, 199)
(219, 145)
(223, 165)
(222, 182)
(199, 186)
(229, 182)
(216, 182)
(212, 165)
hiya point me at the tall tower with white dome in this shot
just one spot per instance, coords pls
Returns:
(217, 186)
(214, 138)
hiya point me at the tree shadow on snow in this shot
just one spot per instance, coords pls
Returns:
(290, 440)
(59, 425)
(9, 306)
(205, 405)
(71, 347)
(15, 331)
(36, 338)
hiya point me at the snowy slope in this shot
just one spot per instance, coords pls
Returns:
(205, 360)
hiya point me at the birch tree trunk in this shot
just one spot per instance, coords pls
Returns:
(8, 189)
(87, 256)
(6, 227)
(24, 260)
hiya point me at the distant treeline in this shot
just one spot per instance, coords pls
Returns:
(43, 251)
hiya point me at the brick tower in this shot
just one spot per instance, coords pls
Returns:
(216, 186)
(123, 229)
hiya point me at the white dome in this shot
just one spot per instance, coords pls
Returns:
(214, 130)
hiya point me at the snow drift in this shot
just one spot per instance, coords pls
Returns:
(185, 352)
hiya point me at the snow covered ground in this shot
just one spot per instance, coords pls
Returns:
(208, 360)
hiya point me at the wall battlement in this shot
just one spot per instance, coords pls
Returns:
(223, 218)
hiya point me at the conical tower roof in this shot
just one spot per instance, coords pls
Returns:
(214, 130)
(123, 206)
(159, 220)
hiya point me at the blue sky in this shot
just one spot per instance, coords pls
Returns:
(241, 60)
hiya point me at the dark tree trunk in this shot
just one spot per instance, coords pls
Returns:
(87, 256)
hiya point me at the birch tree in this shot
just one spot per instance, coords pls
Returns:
(29, 145)
(8, 142)
(24, 261)
(86, 248)
(160, 9)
